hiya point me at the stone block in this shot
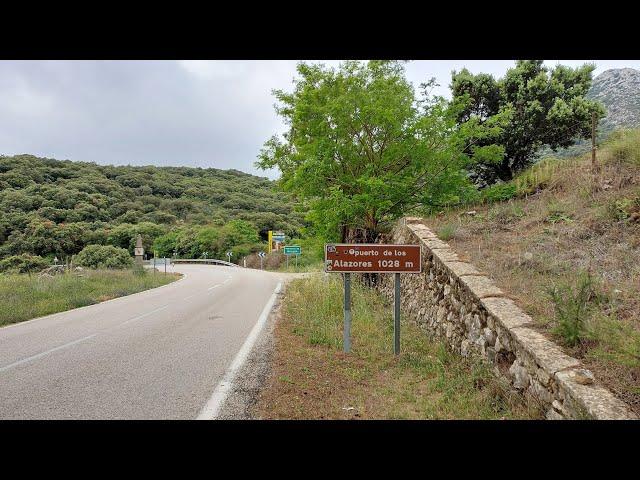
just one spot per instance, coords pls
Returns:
(505, 311)
(598, 402)
(461, 268)
(545, 353)
(480, 286)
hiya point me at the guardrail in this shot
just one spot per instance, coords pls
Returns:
(211, 261)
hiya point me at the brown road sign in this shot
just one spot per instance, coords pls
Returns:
(372, 257)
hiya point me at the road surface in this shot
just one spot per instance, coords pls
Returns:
(159, 354)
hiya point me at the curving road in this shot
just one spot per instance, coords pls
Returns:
(166, 353)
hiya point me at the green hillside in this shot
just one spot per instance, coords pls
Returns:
(51, 207)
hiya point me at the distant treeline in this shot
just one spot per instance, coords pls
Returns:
(50, 207)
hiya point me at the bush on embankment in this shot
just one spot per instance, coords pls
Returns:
(103, 256)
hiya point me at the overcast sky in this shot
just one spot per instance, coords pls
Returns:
(192, 113)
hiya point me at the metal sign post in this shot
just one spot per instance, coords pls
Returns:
(261, 255)
(229, 255)
(346, 333)
(372, 258)
(165, 265)
(396, 316)
(292, 250)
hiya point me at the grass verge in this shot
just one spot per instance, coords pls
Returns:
(29, 296)
(312, 378)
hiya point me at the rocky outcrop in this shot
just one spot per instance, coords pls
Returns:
(452, 300)
(619, 91)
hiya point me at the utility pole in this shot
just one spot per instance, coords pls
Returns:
(594, 165)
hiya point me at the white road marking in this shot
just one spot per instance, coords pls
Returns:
(212, 408)
(215, 286)
(42, 354)
(143, 315)
(190, 296)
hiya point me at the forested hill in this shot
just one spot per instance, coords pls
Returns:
(57, 207)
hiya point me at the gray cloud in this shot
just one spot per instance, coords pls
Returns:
(194, 113)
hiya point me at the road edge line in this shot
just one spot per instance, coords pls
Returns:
(213, 406)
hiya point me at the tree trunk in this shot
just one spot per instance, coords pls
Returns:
(344, 231)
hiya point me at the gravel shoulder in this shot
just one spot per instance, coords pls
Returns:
(250, 380)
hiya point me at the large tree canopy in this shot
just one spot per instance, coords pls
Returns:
(537, 106)
(361, 150)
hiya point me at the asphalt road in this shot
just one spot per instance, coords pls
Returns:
(158, 354)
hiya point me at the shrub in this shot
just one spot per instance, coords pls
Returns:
(24, 263)
(499, 192)
(103, 256)
(573, 308)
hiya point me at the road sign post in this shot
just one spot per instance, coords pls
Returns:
(261, 255)
(372, 258)
(346, 332)
(292, 250)
(396, 315)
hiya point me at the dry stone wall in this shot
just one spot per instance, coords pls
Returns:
(452, 300)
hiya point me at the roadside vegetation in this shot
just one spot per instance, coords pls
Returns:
(56, 208)
(564, 242)
(25, 296)
(313, 379)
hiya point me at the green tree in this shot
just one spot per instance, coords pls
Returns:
(361, 150)
(165, 244)
(534, 105)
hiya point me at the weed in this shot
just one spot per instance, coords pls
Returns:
(623, 208)
(557, 213)
(618, 342)
(447, 232)
(537, 177)
(505, 214)
(572, 306)
(623, 146)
